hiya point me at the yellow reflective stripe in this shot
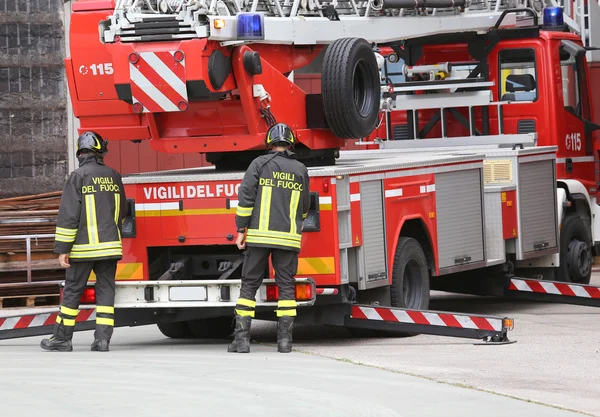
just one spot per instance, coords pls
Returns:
(62, 238)
(66, 232)
(117, 207)
(311, 266)
(265, 208)
(273, 241)
(105, 322)
(94, 254)
(281, 313)
(244, 312)
(294, 211)
(274, 234)
(58, 319)
(99, 246)
(246, 302)
(304, 215)
(69, 322)
(105, 309)
(287, 303)
(244, 211)
(69, 311)
(92, 224)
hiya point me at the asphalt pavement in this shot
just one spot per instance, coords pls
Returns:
(551, 369)
(148, 375)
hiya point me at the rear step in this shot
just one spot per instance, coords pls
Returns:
(492, 330)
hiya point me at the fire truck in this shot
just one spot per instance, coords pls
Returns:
(476, 171)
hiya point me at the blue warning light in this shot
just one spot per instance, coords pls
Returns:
(250, 26)
(553, 18)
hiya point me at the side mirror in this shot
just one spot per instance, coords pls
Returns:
(573, 48)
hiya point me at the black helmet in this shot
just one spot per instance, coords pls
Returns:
(280, 132)
(92, 142)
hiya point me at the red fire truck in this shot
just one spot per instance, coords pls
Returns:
(499, 199)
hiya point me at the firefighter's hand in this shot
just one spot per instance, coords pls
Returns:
(241, 240)
(64, 260)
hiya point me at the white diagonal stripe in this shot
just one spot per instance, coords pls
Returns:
(135, 100)
(93, 316)
(150, 89)
(434, 319)
(521, 285)
(495, 323)
(579, 291)
(466, 322)
(371, 313)
(9, 323)
(165, 72)
(39, 320)
(393, 193)
(550, 288)
(402, 316)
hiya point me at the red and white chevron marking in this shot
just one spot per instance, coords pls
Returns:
(431, 319)
(40, 320)
(158, 81)
(557, 288)
(327, 291)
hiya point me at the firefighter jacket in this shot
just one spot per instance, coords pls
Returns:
(273, 201)
(92, 209)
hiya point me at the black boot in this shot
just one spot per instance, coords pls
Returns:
(241, 342)
(284, 334)
(100, 345)
(60, 340)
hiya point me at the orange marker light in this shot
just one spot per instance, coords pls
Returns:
(218, 23)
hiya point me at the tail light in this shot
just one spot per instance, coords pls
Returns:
(304, 292)
(89, 296)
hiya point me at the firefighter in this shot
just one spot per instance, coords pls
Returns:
(88, 238)
(273, 201)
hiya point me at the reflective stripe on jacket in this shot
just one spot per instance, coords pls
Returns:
(92, 209)
(273, 201)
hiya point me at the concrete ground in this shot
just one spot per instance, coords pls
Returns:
(555, 362)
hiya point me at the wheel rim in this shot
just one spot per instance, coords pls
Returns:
(411, 290)
(361, 93)
(579, 258)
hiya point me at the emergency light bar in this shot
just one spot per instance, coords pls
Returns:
(553, 18)
(250, 26)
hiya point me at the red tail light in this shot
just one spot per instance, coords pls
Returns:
(89, 296)
(304, 292)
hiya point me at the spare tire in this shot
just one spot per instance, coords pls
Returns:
(350, 88)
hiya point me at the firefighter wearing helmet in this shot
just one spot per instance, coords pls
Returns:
(88, 238)
(273, 201)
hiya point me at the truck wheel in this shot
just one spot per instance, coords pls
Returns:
(410, 276)
(177, 330)
(350, 88)
(214, 328)
(575, 251)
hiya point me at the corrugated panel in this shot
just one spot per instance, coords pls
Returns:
(371, 197)
(494, 239)
(344, 229)
(401, 132)
(537, 205)
(459, 217)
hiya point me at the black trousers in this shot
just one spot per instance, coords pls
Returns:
(77, 277)
(256, 268)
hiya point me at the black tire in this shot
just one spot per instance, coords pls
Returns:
(177, 330)
(410, 276)
(576, 256)
(213, 328)
(350, 88)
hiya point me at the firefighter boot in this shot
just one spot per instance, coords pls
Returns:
(100, 345)
(60, 340)
(284, 334)
(241, 341)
